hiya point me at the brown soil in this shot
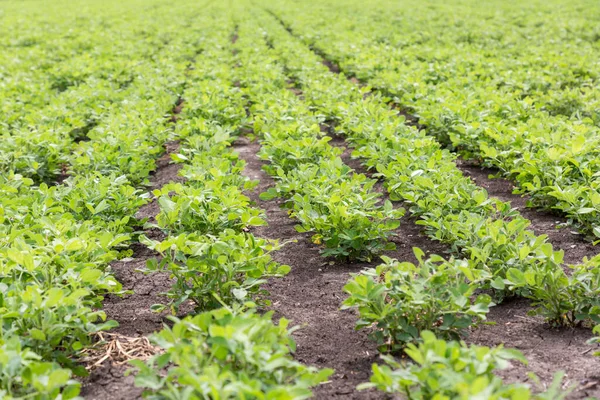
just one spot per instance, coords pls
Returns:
(132, 311)
(311, 294)
(332, 66)
(547, 350)
(177, 110)
(165, 172)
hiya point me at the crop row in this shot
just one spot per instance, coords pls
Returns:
(402, 299)
(57, 241)
(523, 101)
(224, 349)
(45, 137)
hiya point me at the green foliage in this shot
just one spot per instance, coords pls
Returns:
(564, 300)
(346, 215)
(215, 270)
(25, 376)
(401, 300)
(209, 209)
(452, 370)
(39, 156)
(226, 355)
(289, 153)
(55, 323)
(224, 170)
(103, 199)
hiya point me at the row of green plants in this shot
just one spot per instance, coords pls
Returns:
(402, 302)
(44, 129)
(267, 63)
(57, 241)
(227, 347)
(330, 200)
(493, 236)
(208, 249)
(522, 99)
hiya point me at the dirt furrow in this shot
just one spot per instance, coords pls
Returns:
(133, 311)
(312, 293)
(548, 350)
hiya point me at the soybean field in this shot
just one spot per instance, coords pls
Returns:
(293, 199)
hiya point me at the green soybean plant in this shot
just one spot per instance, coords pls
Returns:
(226, 355)
(44, 321)
(563, 299)
(214, 270)
(399, 300)
(209, 209)
(25, 376)
(443, 370)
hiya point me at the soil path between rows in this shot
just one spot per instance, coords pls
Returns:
(132, 311)
(312, 293)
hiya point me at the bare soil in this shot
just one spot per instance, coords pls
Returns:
(311, 294)
(132, 311)
(548, 350)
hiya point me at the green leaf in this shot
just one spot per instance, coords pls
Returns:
(586, 210)
(498, 283)
(516, 277)
(37, 334)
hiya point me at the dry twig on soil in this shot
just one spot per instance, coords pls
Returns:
(118, 349)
